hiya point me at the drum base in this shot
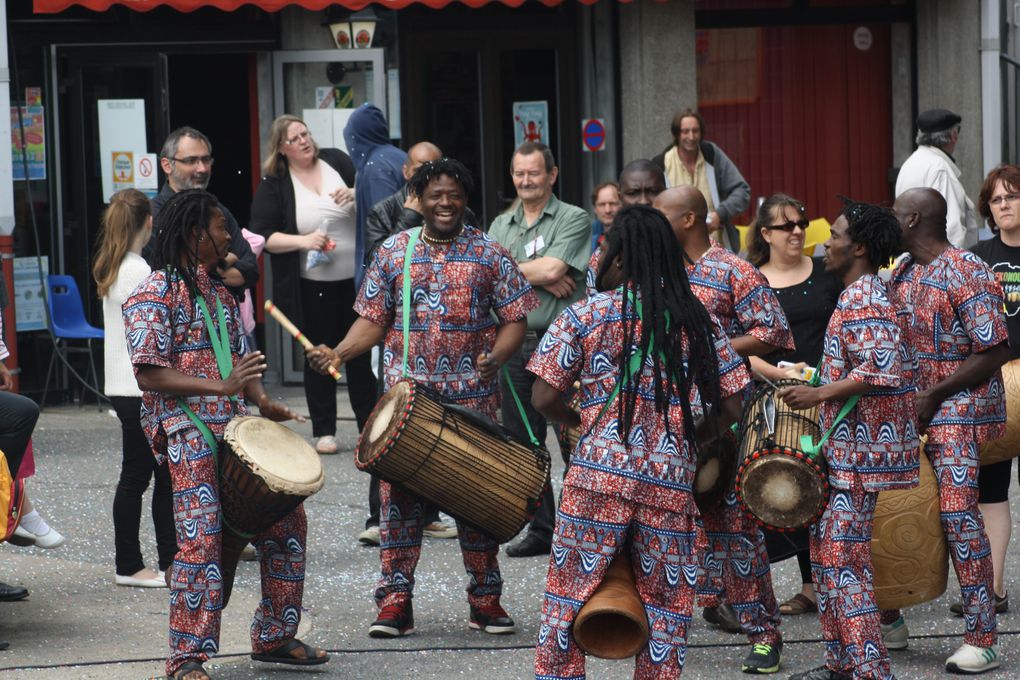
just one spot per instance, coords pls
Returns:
(782, 489)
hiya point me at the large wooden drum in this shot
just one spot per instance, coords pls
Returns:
(1008, 447)
(266, 471)
(613, 624)
(455, 458)
(909, 549)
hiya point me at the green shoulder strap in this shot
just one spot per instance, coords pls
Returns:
(412, 241)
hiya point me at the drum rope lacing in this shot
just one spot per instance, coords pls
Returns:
(412, 241)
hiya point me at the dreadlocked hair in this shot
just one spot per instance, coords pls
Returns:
(876, 227)
(652, 264)
(431, 170)
(182, 219)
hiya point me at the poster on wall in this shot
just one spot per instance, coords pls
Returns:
(121, 139)
(30, 306)
(531, 122)
(34, 147)
(327, 126)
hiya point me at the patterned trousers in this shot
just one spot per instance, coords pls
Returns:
(590, 529)
(401, 522)
(842, 570)
(736, 563)
(956, 469)
(195, 580)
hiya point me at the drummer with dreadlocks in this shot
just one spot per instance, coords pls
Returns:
(468, 305)
(866, 399)
(640, 349)
(173, 320)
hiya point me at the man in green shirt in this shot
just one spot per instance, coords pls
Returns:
(551, 242)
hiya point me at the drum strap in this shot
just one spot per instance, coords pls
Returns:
(812, 449)
(637, 359)
(412, 241)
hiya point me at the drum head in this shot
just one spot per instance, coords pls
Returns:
(384, 424)
(782, 490)
(714, 473)
(277, 454)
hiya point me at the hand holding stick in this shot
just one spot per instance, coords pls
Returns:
(282, 319)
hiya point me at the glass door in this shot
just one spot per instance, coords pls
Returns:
(323, 87)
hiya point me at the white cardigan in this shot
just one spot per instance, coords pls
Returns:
(120, 374)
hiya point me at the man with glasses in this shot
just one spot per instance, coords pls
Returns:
(933, 166)
(186, 159)
(551, 242)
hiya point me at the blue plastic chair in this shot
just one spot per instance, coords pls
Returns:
(68, 322)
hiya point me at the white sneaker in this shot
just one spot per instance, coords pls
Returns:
(132, 582)
(440, 530)
(369, 536)
(51, 539)
(895, 634)
(326, 445)
(971, 659)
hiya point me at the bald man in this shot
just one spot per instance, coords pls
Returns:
(401, 210)
(960, 336)
(739, 297)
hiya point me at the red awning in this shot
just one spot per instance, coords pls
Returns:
(53, 6)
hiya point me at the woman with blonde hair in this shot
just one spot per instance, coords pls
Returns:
(118, 268)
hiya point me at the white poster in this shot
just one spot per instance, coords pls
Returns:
(121, 128)
(29, 304)
(327, 126)
(531, 122)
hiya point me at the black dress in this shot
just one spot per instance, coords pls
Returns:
(808, 306)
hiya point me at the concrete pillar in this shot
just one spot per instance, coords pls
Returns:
(949, 76)
(657, 72)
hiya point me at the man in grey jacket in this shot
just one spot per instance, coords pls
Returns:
(692, 160)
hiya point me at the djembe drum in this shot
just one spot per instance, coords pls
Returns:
(266, 471)
(908, 546)
(455, 458)
(778, 484)
(1008, 446)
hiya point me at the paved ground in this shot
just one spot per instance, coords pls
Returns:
(76, 623)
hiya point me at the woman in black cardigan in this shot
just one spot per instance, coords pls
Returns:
(304, 207)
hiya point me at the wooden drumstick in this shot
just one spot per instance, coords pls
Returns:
(282, 319)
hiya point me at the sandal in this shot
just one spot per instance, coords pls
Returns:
(282, 654)
(190, 667)
(798, 604)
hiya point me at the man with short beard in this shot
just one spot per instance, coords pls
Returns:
(186, 160)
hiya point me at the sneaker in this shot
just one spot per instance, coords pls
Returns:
(248, 553)
(895, 634)
(326, 445)
(369, 536)
(723, 617)
(395, 620)
(1001, 605)
(440, 530)
(971, 659)
(820, 673)
(762, 659)
(492, 619)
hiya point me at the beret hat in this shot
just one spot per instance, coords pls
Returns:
(937, 120)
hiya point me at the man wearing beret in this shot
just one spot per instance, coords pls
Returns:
(933, 166)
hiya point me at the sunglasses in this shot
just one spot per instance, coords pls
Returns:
(790, 226)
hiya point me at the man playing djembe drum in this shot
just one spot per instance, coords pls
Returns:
(873, 448)
(640, 350)
(961, 339)
(739, 297)
(459, 277)
(171, 333)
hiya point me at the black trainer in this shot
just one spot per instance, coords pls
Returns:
(722, 616)
(492, 619)
(395, 620)
(763, 659)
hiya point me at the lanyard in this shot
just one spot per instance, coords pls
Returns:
(809, 447)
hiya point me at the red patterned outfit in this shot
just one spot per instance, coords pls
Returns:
(739, 297)
(614, 492)
(956, 310)
(165, 328)
(454, 289)
(873, 449)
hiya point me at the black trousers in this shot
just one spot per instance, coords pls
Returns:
(542, 523)
(328, 311)
(137, 468)
(18, 415)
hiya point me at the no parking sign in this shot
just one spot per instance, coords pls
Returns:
(593, 134)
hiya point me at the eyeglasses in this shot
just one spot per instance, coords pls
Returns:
(790, 226)
(298, 138)
(999, 200)
(194, 160)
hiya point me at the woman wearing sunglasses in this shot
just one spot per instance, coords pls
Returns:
(808, 296)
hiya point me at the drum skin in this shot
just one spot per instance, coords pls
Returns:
(456, 459)
(909, 550)
(613, 623)
(1008, 447)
